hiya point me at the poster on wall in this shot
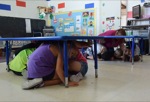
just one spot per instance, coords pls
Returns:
(59, 28)
(85, 14)
(20, 3)
(91, 31)
(78, 19)
(83, 31)
(90, 5)
(91, 16)
(28, 26)
(78, 27)
(80, 23)
(110, 23)
(91, 23)
(69, 27)
(85, 22)
(142, 1)
(5, 7)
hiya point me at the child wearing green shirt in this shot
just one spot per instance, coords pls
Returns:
(19, 63)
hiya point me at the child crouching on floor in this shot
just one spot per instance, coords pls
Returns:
(78, 65)
(118, 54)
(127, 55)
(45, 67)
(18, 65)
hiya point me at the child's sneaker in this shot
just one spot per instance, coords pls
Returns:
(30, 84)
(76, 78)
(39, 85)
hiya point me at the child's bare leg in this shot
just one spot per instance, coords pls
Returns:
(74, 66)
(54, 81)
(80, 68)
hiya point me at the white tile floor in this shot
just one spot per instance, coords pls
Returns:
(117, 81)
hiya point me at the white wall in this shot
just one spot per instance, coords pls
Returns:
(30, 11)
(110, 8)
(71, 5)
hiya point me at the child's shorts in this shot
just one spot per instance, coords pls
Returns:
(84, 68)
(49, 77)
(17, 73)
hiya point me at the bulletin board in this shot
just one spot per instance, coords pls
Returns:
(75, 23)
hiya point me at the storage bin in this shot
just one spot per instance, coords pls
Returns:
(146, 10)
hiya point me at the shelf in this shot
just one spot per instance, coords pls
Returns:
(133, 26)
(139, 27)
(13, 47)
(143, 19)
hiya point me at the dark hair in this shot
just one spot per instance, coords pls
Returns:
(120, 51)
(122, 32)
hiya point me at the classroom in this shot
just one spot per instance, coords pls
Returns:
(91, 50)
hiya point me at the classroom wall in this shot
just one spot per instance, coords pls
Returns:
(110, 11)
(104, 9)
(78, 5)
(30, 11)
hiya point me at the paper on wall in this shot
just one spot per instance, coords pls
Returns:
(28, 25)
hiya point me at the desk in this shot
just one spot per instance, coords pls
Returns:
(65, 39)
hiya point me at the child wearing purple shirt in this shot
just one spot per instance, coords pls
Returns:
(45, 67)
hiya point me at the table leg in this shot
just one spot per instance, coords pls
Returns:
(95, 59)
(133, 50)
(66, 63)
(7, 55)
(141, 49)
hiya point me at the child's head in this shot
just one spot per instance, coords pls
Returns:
(72, 50)
(120, 32)
(118, 53)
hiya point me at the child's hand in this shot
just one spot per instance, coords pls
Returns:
(104, 49)
(73, 84)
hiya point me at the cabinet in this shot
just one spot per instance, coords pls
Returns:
(49, 31)
(139, 27)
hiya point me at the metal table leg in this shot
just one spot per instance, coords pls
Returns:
(132, 50)
(66, 63)
(7, 55)
(141, 49)
(95, 59)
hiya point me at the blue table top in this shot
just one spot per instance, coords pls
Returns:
(67, 38)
